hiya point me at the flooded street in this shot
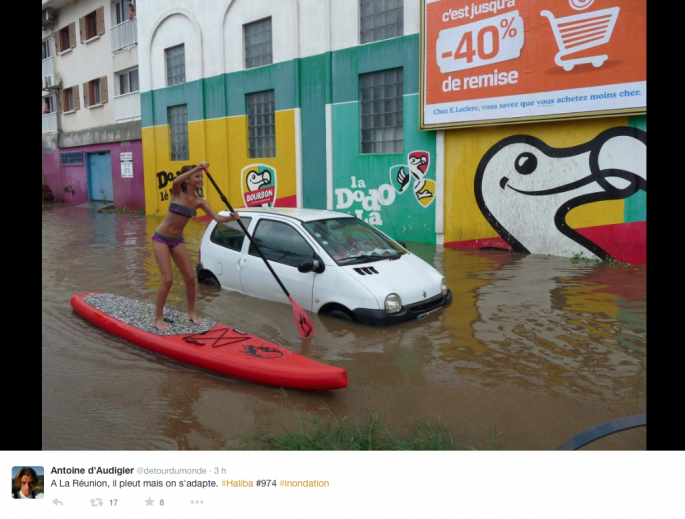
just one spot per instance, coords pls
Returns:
(533, 351)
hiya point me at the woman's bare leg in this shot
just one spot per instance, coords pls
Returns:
(185, 266)
(163, 258)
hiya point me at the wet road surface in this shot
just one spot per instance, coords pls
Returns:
(533, 351)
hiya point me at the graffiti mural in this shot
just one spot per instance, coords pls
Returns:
(384, 195)
(526, 189)
(259, 185)
(371, 200)
(165, 182)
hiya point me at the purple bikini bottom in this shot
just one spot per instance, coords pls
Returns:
(169, 242)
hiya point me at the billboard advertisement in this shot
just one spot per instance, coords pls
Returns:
(508, 61)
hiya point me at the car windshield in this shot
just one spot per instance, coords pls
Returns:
(350, 240)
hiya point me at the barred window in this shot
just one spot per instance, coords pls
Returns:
(382, 111)
(258, 46)
(175, 65)
(381, 19)
(261, 124)
(178, 128)
(71, 158)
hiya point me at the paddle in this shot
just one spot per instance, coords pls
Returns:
(304, 324)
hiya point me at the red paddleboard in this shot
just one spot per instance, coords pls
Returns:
(224, 350)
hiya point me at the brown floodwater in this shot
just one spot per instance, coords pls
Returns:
(533, 351)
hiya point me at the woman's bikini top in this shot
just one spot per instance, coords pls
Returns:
(182, 210)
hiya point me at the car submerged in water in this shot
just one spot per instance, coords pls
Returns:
(331, 263)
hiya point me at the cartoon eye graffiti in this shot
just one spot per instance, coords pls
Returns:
(526, 163)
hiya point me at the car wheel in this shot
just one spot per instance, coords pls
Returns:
(341, 314)
(211, 281)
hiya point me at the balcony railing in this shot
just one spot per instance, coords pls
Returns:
(127, 106)
(48, 67)
(124, 35)
(50, 123)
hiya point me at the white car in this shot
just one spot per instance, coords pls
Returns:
(330, 262)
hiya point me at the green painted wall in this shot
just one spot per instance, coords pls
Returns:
(315, 94)
(404, 218)
(348, 64)
(363, 176)
(223, 96)
(636, 205)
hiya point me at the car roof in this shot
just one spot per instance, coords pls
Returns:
(304, 215)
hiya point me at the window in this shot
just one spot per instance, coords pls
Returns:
(349, 241)
(66, 38)
(71, 158)
(49, 104)
(258, 47)
(281, 243)
(381, 19)
(178, 128)
(69, 99)
(230, 235)
(95, 92)
(128, 82)
(121, 11)
(175, 65)
(47, 49)
(92, 25)
(382, 111)
(261, 124)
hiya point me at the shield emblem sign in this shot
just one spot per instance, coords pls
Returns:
(259, 185)
(425, 190)
(400, 178)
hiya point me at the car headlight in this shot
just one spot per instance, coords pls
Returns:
(393, 304)
(443, 287)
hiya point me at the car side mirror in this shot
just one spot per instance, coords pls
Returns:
(313, 265)
(403, 244)
(319, 266)
(306, 266)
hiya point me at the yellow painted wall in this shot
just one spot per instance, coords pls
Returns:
(224, 144)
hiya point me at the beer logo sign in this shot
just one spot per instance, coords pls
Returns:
(413, 173)
(259, 185)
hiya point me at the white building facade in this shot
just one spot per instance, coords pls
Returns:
(91, 102)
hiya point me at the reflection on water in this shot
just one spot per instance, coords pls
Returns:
(538, 347)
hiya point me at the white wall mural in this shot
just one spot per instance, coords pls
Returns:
(526, 188)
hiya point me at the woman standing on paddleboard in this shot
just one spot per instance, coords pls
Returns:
(167, 241)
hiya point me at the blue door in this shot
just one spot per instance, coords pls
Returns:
(100, 176)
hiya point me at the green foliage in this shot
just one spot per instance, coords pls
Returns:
(579, 257)
(336, 433)
(47, 194)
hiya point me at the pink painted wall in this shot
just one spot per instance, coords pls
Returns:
(128, 192)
